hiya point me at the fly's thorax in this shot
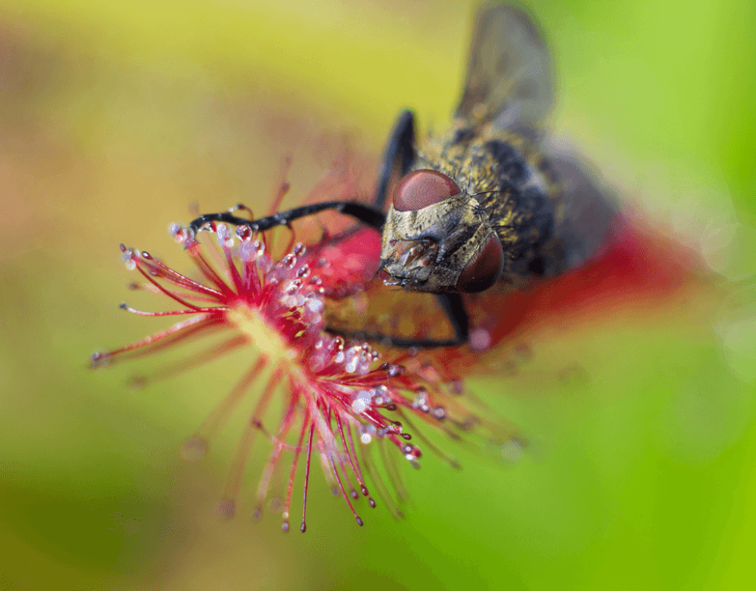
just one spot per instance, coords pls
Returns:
(437, 248)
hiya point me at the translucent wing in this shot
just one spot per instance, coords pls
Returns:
(587, 209)
(509, 75)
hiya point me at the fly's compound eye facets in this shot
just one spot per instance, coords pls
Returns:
(422, 188)
(484, 269)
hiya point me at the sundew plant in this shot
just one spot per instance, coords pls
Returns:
(342, 397)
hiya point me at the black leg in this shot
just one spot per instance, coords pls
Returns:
(399, 153)
(455, 310)
(367, 214)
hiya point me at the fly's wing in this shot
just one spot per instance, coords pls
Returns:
(509, 75)
(586, 209)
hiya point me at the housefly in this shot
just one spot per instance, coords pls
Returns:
(488, 204)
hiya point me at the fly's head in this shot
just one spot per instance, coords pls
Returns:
(437, 238)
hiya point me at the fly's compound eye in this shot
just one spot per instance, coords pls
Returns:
(484, 269)
(422, 188)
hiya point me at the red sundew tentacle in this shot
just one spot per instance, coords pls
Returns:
(451, 460)
(352, 491)
(353, 458)
(292, 474)
(251, 282)
(303, 527)
(393, 474)
(170, 294)
(313, 408)
(376, 419)
(275, 440)
(173, 312)
(283, 185)
(182, 280)
(455, 406)
(343, 492)
(353, 464)
(325, 465)
(190, 326)
(275, 454)
(377, 479)
(219, 415)
(203, 357)
(192, 297)
(227, 505)
(292, 239)
(233, 271)
(247, 210)
(214, 324)
(206, 269)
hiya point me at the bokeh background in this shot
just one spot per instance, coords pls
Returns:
(115, 117)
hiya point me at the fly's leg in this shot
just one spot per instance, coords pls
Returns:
(398, 157)
(367, 214)
(455, 311)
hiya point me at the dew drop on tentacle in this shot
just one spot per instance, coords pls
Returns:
(289, 261)
(512, 450)
(99, 359)
(480, 339)
(412, 453)
(129, 257)
(314, 304)
(456, 387)
(244, 233)
(361, 401)
(394, 371)
(224, 236)
(420, 402)
(367, 432)
(259, 246)
(193, 449)
(226, 509)
(178, 232)
(276, 505)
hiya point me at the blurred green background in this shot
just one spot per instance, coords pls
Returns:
(116, 116)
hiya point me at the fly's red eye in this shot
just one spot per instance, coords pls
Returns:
(484, 269)
(422, 188)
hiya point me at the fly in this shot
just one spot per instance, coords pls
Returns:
(489, 204)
